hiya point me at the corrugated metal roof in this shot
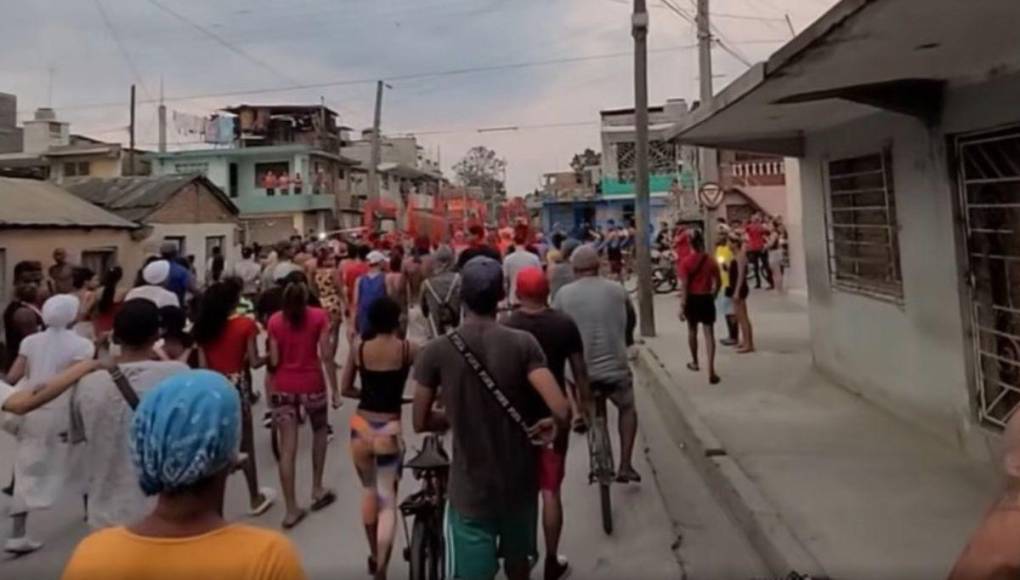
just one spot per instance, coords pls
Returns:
(134, 198)
(32, 203)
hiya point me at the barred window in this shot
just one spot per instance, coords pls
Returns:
(864, 253)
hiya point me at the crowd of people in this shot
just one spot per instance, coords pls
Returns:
(138, 398)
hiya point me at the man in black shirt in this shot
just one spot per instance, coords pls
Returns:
(560, 340)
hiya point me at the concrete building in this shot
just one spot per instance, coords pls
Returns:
(408, 177)
(284, 171)
(10, 133)
(38, 217)
(45, 148)
(187, 210)
(908, 139)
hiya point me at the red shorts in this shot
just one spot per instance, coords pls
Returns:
(552, 467)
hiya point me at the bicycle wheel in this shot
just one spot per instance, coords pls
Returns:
(421, 550)
(607, 508)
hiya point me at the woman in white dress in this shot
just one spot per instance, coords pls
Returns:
(43, 459)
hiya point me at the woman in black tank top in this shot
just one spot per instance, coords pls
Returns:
(383, 362)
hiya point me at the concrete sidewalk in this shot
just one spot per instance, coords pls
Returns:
(822, 481)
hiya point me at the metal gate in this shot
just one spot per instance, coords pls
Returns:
(989, 175)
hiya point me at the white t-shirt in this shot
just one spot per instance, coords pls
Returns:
(115, 497)
(248, 271)
(514, 263)
(156, 294)
(5, 393)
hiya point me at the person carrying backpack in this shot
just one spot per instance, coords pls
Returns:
(369, 288)
(440, 297)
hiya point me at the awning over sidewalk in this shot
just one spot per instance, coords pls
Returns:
(896, 55)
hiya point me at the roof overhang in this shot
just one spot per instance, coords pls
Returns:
(860, 57)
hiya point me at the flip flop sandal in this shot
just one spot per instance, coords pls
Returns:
(693, 367)
(300, 517)
(268, 498)
(324, 501)
(628, 477)
(714, 380)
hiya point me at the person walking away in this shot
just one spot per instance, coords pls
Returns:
(61, 273)
(249, 272)
(113, 492)
(180, 279)
(175, 342)
(560, 340)
(215, 266)
(84, 285)
(183, 444)
(599, 308)
(228, 344)
(111, 298)
(561, 272)
(756, 253)
(738, 291)
(154, 277)
(416, 270)
(724, 303)
(383, 362)
(370, 287)
(440, 298)
(514, 263)
(776, 247)
(493, 490)
(477, 246)
(43, 459)
(328, 287)
(396, 286)
(990, 553)
(352, 271)
(700, 280)
(299, 357)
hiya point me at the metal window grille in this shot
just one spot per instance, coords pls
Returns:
(989, 187)
(864, 254)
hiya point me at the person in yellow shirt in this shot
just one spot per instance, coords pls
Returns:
(724, 304)
(184, 444)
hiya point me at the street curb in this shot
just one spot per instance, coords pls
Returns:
(777, 545)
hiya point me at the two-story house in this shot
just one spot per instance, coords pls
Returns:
(284, 170)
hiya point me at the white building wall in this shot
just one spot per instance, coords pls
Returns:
(911, 357)
(793, 216)
(195, 236)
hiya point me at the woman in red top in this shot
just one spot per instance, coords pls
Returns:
(299, 356)
(227, 344)
(106, 308)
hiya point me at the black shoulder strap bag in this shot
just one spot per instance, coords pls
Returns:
(124, 386)
(490, 384)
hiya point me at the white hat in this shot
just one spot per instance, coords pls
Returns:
(156, 273)
(375, 257)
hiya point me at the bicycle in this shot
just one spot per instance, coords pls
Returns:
(600, 452)
(426, 547)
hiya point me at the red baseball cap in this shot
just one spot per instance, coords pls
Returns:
(532, 284)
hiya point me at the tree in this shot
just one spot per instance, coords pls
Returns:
(587, 158)
(480, 167)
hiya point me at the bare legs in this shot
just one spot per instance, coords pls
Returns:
(288, 441)
(378, 460)
(744, 321)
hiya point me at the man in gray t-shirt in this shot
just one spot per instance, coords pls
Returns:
(493, 479)
(599, 308)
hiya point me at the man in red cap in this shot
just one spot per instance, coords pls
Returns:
(561, 342)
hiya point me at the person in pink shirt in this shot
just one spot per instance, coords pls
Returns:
(301, 365)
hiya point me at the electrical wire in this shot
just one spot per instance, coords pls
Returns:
(400, 77)
(223, 42)
(122, 47)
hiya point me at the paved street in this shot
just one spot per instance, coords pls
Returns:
(671, 504)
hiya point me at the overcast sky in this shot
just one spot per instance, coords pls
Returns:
(90, 60)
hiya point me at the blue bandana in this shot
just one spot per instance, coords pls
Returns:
(184, 430)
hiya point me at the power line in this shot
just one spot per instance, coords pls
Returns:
(392, 78)
(221, 41)
(122, 47)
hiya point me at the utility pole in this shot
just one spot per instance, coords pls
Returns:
(373, 168)
(708, 159)
(162, 120)
(639, 29)
(131, 131)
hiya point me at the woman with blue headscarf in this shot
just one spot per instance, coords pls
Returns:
(184, 443)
